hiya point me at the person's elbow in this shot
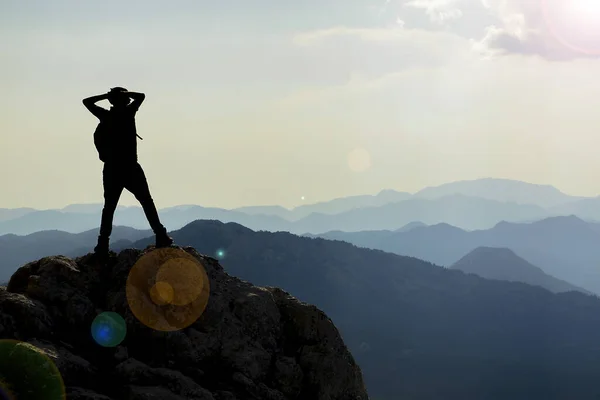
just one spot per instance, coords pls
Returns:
(139, 98)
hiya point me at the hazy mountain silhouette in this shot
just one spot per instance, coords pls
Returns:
(18, 250)
(458, 210)
(344, 204)
(466, 212)
(410, 226)
(327, 207)
(442, 244)
(90, 208)
(503, 190)
(508, 190)
(563, 247)
(366, 237)
(588, 209)
(335, 206)
(503, 264)
(417, 330)
(487, 197)
(47, 220)
(11, 213)
(277, 211)
(173, 218)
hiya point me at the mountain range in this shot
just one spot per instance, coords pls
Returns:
(469, 205)
(445, 333)
(563, 247)
(504, 190)
(418, 330)
(503, 264)
(17, 250)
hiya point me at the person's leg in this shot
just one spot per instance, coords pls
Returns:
(113, 187)
(137, 184)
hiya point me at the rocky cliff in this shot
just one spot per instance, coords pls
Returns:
(249, 343)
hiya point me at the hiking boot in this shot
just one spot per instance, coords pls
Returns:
(102, 247)
(163, 240)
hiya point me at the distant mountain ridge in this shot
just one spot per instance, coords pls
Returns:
(411, 225)
(563, 247)
(503, 264)
(402, 317)
(18, 250)
(12, 213)
(469, 205)
(466, 212)
(508, 190)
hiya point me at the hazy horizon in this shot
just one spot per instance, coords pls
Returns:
(304, 201)
(269, 102)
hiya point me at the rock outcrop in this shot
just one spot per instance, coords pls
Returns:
(250, 342)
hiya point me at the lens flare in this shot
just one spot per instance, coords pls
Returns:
(574, 23)
(167, 289)
(162, 293)
(109, 329)
(359, 160)
(26, 372)
(183, 277)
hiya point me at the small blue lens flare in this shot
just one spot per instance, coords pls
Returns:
(109, 329)
(220, 254)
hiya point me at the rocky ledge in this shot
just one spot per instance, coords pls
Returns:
(250, 342)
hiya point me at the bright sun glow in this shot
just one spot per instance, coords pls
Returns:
(584, 11)
(574, 23)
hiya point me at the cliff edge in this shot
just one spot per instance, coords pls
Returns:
(249, 343)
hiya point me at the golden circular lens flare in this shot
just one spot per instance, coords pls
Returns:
(185, 279)
(162, 293)
(167, 289)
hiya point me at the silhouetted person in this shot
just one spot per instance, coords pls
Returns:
(118, 150)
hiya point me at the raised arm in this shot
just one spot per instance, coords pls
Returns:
(90, 104)
(138, 99)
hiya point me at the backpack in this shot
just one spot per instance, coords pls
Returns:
(101, 141)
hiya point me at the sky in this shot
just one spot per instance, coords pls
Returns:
(268, 102)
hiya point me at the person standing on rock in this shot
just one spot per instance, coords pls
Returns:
(116, 141)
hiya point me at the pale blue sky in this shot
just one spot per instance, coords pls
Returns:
(263, 102)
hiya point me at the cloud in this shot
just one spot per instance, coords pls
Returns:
(552, 29)
(519, 29)
(312, 37)
(370, 53)
(439, 11)
(395, 34)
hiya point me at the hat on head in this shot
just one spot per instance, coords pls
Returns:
(117, 89)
